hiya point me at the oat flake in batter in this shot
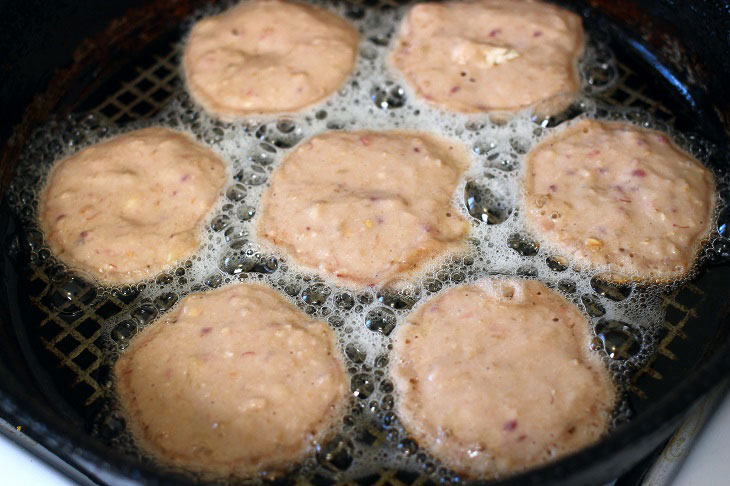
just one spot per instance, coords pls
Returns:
(490, 55)
(617, 196)
(233, 382)
(127, 208)
(366, 206)
(267, 56)
(497, 376)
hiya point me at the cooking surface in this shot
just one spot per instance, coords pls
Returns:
(66, 314)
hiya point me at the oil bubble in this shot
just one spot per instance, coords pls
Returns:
(484, 205)
(381, 319)
(557, 263)
(567, 286)
(236, 193)
(355, 353)
(220, 222)
(124, 331)
(362, 385)
(344, 301)
(165, 301)
(618, 339)
(316, 294)
(523, 244)
(246, 212)
(388, 98)
(593, 306)
(603, 286)
(336, 454)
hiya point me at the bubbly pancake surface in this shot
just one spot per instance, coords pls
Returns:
(366, 207)
(125, 209)
(490, 55)
(616, 196)
(267, 56)
(497, 376)
(235, 381)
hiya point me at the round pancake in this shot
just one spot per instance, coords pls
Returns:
(490, 55)
(234, 381)
(127, 208)
(497, 376)
(267, 56)
(365, 206)
(621, 198)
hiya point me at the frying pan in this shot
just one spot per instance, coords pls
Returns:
(116, 60)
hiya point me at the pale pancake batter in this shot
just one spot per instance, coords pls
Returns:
(490, 55)
(268, 56)
(127, 208)
(617, 196)
(497, 376)
(366, 206)
(235, 381)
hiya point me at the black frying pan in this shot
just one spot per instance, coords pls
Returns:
(63, 58)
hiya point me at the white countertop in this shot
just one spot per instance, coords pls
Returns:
(708, 463)
(21, 468)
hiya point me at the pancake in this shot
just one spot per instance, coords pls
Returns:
(366, 207)
(125, 209)
(267, 56)
(620, 198)
(491, 55)
(497, 376)
(233, 382)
